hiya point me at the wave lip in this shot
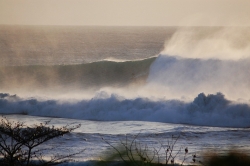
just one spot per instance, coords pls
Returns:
(205, 110)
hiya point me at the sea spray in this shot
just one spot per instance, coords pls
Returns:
(176, 76)
(209, 43)
(203, 59)
(208, 110)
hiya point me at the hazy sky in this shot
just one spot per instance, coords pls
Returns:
(126, 12)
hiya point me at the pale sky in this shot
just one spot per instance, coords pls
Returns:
(126, 12)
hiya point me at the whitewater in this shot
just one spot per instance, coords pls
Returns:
(117, 82)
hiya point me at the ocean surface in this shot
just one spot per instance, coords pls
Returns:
(122, 81)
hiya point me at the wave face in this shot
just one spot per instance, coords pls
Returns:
(209, 110)
(72, 77)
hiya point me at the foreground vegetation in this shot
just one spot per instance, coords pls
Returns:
(233, 158)
(21, 145)
(134, 153)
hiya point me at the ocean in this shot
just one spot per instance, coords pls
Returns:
(122, 81)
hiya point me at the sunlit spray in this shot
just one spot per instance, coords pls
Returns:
(205, 60)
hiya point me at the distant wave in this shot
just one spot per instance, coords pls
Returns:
(90, 75)
(208, 110)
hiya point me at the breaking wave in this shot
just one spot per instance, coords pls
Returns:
(179, 76)
(208, 110)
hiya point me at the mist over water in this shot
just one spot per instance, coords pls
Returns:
(176, 76)
(75, 61)
(200, 78)
(224, 43)
(68, 45)
(205, 60)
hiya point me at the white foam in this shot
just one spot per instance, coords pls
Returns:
(209, 110)
(177, 76)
